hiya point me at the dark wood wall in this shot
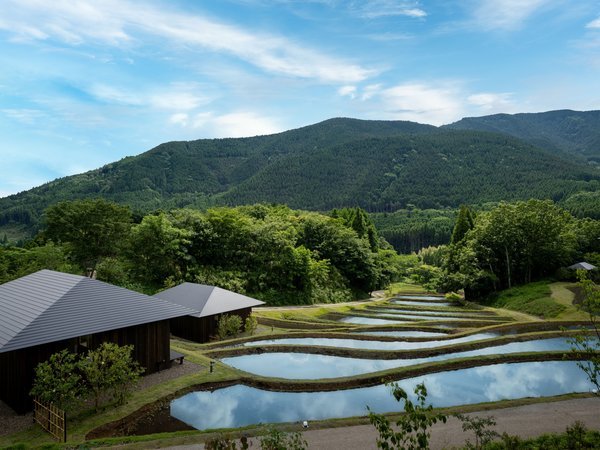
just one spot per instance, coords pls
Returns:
(17, 368)
(201, 329)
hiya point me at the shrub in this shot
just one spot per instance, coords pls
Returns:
(228, 325)
(250, 324)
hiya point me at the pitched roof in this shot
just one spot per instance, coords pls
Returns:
(207, 300)
(49, 306)
(582, 265)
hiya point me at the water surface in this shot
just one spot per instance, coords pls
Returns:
(307, 366)
(402, 333)
(417, 303)
(373, 345)
(241, 405)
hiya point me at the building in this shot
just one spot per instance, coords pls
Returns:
(209, 303)
(582, 266)
(47, 311)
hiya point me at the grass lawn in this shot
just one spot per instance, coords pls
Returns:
(541, 299)
(405, 288)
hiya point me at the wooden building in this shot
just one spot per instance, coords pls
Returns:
(209, 303)
(45, 312)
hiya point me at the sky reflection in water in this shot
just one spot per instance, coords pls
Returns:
(240, 405)
(402, 333)
(373, 345)
(309, 366)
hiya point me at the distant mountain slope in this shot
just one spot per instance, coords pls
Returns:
(379, 165)
(429, 171)
(573, 132)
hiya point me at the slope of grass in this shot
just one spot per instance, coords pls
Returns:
(534, 298)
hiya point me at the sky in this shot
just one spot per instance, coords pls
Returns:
(85, 83)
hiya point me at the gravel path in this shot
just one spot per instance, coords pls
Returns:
(524, 421)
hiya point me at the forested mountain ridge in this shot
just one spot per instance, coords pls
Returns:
(379, 165)
(565, 131)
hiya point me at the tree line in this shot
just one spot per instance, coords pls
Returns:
(270, 252)
(511, 244)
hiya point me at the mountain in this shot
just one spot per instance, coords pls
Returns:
(564, 131)
(379, 165)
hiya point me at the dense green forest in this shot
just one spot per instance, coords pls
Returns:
(270, 252)
(510, 244)
(381, 166)
(564, 131)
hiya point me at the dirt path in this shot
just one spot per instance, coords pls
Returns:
(524, 421)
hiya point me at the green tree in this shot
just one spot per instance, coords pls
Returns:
(92, 229)
(480, 427)
(158, 250)
(110, 370)
(413, 426)
(59, 381)
(584, 346)
(464, 223)
(274, 439)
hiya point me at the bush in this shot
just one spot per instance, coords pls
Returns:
(228, 325)
(273, 439)
(250, 324)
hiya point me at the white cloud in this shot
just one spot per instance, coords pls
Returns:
(121, 23)
(243, 124)
(24, 115)
(504, 14)
(349, 91)
(175, 96)
(370, 91)
(179, 119)
(382, 8)
(234, 124)
(423, 103)
(594, 24)
(489, 101)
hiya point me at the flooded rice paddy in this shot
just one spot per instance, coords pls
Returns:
(240, 405)
(371, 345)
(307, 366)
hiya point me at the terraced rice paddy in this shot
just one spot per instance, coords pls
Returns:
(325, 364)
(307, 366)
(241, 405)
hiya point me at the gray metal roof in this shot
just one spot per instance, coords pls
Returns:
(582, 266)
(49, 306)
(207, 300)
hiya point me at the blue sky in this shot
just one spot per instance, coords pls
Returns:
(84, 83)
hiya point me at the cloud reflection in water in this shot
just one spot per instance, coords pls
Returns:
(240, 405)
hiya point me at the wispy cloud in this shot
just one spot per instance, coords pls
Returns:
(349, 91)
(435, 104)
(594, 24)
(504, 14)
(234, 124)
(176, 96)
(383, 8)
(121, 23)
(489, 101)
(24, 115)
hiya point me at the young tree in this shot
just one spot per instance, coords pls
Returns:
(274, 439)
(479, 426)
(584, 346)
(110, 370)
(58, 381)
(413, 425)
